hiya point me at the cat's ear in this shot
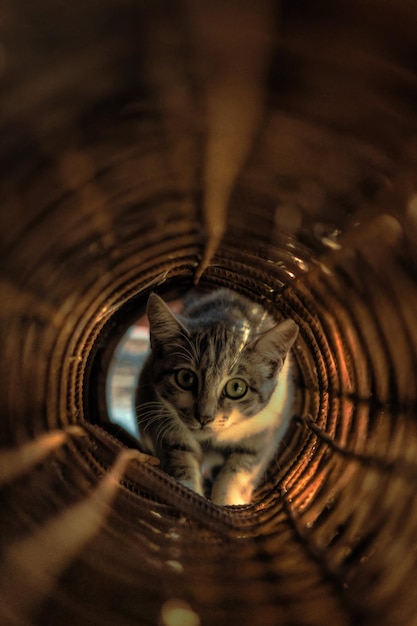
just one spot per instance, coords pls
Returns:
(163, 324)
(277, 341)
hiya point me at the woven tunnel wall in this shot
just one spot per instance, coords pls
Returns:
(266, 147)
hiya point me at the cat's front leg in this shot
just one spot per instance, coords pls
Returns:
(237, 480)
(184, 464)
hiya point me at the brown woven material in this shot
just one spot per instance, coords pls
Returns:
(270, 148)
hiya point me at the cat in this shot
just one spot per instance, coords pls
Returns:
(216, 389)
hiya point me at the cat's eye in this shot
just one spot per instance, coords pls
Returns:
(186, 379)
(235, 388)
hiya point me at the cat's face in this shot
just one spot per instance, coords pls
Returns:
(213, 377)
(209, 390)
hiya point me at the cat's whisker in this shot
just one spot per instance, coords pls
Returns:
(153, 403)
(159, 413)
(198, 346)
(191, 345)
(149, 420)
(170, 428)
(149, 406)
(183, 355)
(184, 351)
(162, 432)
(141, 408)
(153, 418)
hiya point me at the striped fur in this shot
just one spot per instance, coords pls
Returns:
(217, 339)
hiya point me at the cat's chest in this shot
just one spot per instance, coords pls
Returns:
(212, 459)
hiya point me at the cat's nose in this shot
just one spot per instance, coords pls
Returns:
(205, 419)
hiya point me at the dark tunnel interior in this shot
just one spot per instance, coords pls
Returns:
(266, 147)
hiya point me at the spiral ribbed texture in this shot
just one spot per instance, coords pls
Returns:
(266, 147)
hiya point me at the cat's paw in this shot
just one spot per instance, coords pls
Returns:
(231, 494)
(194, 485)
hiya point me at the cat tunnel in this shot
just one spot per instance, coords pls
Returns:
(265, 147)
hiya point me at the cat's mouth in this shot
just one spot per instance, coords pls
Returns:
(209, 427)
(203, 431)
(200, 427)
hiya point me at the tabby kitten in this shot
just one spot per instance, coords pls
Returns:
(215, 390)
